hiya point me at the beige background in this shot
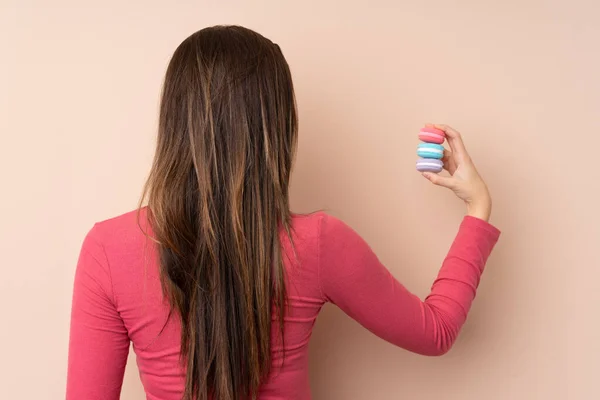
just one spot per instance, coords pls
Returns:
(79, 86)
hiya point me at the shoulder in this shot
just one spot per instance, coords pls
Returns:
(118, 234)
(331, 227)
(121, 225)
(310, 225)
(323, 227)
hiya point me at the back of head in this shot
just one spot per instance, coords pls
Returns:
(217, 198)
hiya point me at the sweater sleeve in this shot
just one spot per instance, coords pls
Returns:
(352, 277)
(99, 343)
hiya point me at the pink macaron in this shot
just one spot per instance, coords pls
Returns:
(432, 135)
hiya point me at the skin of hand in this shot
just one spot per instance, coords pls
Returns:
(464, 180)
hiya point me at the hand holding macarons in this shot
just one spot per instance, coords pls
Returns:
(464, 180)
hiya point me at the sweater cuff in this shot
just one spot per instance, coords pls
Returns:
(474, 223)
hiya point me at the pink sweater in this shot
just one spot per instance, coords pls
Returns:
(118, 299)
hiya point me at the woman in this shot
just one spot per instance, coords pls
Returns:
(216, 282)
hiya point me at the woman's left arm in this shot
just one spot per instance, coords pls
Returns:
(99, 342)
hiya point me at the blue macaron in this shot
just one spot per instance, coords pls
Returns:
(430, 150)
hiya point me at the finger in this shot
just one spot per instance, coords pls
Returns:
(447, 182)
(450, 167)
(454, 140)
(448, 129)
(447, 154)
(449, 162)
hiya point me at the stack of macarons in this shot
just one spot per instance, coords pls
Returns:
(430, 150)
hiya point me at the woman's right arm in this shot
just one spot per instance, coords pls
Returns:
(352, 277)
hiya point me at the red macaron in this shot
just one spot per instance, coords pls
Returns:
(432, 135)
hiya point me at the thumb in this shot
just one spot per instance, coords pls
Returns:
(447, 182)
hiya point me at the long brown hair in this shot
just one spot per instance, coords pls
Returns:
(217, 199)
